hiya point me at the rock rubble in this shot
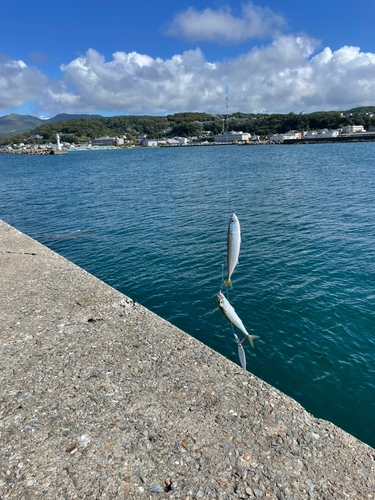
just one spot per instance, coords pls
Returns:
(29, 151)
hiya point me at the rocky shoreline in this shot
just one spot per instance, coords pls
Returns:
(101, 398)
(26, 151)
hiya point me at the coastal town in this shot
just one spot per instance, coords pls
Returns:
(214, 130)
(349, 133)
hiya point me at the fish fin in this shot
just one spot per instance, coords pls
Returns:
(251, 338)
(227, 282)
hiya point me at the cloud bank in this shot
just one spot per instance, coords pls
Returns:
(223, 27)
(282, 76)
(19, 83)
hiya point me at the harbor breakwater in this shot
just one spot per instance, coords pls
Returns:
(32, 151)
(101, 398)
(368, 137)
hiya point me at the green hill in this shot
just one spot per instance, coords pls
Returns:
(13, 124)
(83, 129)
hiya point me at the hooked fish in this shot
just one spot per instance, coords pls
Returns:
(241, 354)
(233, 247)
(230, 315)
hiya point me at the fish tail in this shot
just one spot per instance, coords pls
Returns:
(227, 282)
(251, 338)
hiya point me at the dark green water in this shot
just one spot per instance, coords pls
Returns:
(153, 225)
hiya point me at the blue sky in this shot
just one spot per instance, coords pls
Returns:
(125, 57)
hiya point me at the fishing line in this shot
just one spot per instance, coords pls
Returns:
(227, 190)
(226, 184)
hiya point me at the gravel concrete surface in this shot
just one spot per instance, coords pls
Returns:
(102, 399)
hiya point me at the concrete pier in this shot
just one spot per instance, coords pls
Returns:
(102, 399)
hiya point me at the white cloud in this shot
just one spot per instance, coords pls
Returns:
(138, 83)
(18, 83)
(281, 76)
(223, 27)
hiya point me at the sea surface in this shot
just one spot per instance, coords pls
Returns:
(152, 223)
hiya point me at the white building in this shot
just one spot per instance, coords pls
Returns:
(292, 134)
(151, 143)
(177, 141)
(353, 129)
(332, 133)
(232, 136)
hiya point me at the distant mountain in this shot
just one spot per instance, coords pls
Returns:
(14, 124)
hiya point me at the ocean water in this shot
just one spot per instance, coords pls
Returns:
(153, 223)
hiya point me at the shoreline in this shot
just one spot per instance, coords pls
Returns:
(328, 140)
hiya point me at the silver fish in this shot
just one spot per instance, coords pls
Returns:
(230, 315)
(241, 354)
(233, 247)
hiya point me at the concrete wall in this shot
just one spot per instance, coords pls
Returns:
(100, 398)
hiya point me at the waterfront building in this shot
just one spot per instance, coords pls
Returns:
(332, 133)
(353, 129)
(310, 134)
(277, 138)
(104, 141)
(232, 136)
(172, 142)
(150, 143)
(292, 134)
(180, 140)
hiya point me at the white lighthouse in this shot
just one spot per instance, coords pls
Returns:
(58, 142)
